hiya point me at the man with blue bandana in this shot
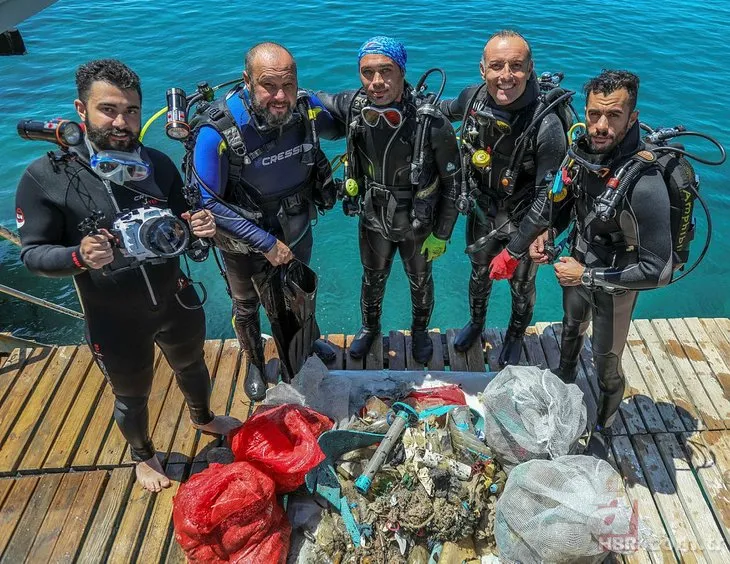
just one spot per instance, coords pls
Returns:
(263, 176)
(403, 195)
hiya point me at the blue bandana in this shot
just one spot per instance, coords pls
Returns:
(382, 45)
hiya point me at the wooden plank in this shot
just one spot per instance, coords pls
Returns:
(241, 403)
(20, 393)
(672, 345)
(29, 524)
(159, 527)
(6, 485)
(658, 391)
(663, 490)
(475, 356)
(707, 451)
(25, 425)
(637, 489)
(220, 395)
(702, 450)
(14, 507)
(101, 532)
(12, 368)
(437, 360)
(397, 352)
(77, 520)
(128, 533)
(533, 349)
(457, 360)
(115, 445)
(711, 353)
(337, 341)
(493, 346)
(173, 413)
(655, 349)
(701, 367)
(186, 436)
(411, 363)
(52, 422)
(50, 529)
(100, 421)
(698, 512)
(352, 363)
(717, 331)
(374, 358)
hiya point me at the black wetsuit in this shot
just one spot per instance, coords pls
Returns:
(276, 192)
(126, 311)
(381, 165)
(631, 252)
(496, 210)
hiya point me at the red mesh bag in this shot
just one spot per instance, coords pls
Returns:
(281, 441)
(449, 394)
(229, 513)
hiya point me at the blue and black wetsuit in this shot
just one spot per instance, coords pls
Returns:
(127, 310)
(380, 161)
(499, 213)
(629, 253)
(270, 190)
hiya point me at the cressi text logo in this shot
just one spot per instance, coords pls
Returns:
(283, 155)
(19, 218)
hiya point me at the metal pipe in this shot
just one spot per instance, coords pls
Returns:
(9, 235)
(39, 301)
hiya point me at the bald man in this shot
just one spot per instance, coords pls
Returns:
(497, 113)
(264, 177)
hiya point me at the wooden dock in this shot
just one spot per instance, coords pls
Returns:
(67, 490)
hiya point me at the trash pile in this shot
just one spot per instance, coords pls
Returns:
(428, 485)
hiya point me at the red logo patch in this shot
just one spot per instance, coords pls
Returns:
(19, 217)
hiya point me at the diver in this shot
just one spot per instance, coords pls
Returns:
(402, 178)
(612, 255)
(129, 305)
(257, 160)
(506, 132)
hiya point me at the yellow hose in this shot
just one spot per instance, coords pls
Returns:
(149, 122)
(572, 130)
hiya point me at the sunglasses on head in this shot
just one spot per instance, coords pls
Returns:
(372, 114)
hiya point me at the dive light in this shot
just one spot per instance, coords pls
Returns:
(177, 126)
(60, 131)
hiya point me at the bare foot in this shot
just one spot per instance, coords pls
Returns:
(221, 425)
(151, 476)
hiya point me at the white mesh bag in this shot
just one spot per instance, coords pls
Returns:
(531, 413)
(571, 509)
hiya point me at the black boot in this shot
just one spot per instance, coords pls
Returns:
(511, 350)
(248, 330)
(571, 343)
(480, 286)
(598, 443)
(371, 305)
(421, 285)
(324, 351)
(421, 346)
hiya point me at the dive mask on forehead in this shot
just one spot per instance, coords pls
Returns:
(119, 166)
(494, 119)
(372, 114)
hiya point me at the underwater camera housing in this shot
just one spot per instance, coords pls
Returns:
(150, 233)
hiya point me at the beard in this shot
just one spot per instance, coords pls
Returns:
(610, 147)
(101, 138)
(263, 113)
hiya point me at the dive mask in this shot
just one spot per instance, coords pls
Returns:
(372, 114)
(119, 166)
(496, 120)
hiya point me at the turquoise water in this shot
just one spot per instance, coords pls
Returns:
(679, 49)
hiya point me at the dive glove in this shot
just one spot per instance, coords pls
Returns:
(503, 266)
(433, 247)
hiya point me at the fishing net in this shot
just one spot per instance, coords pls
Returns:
(571, 509)
(530, 413)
